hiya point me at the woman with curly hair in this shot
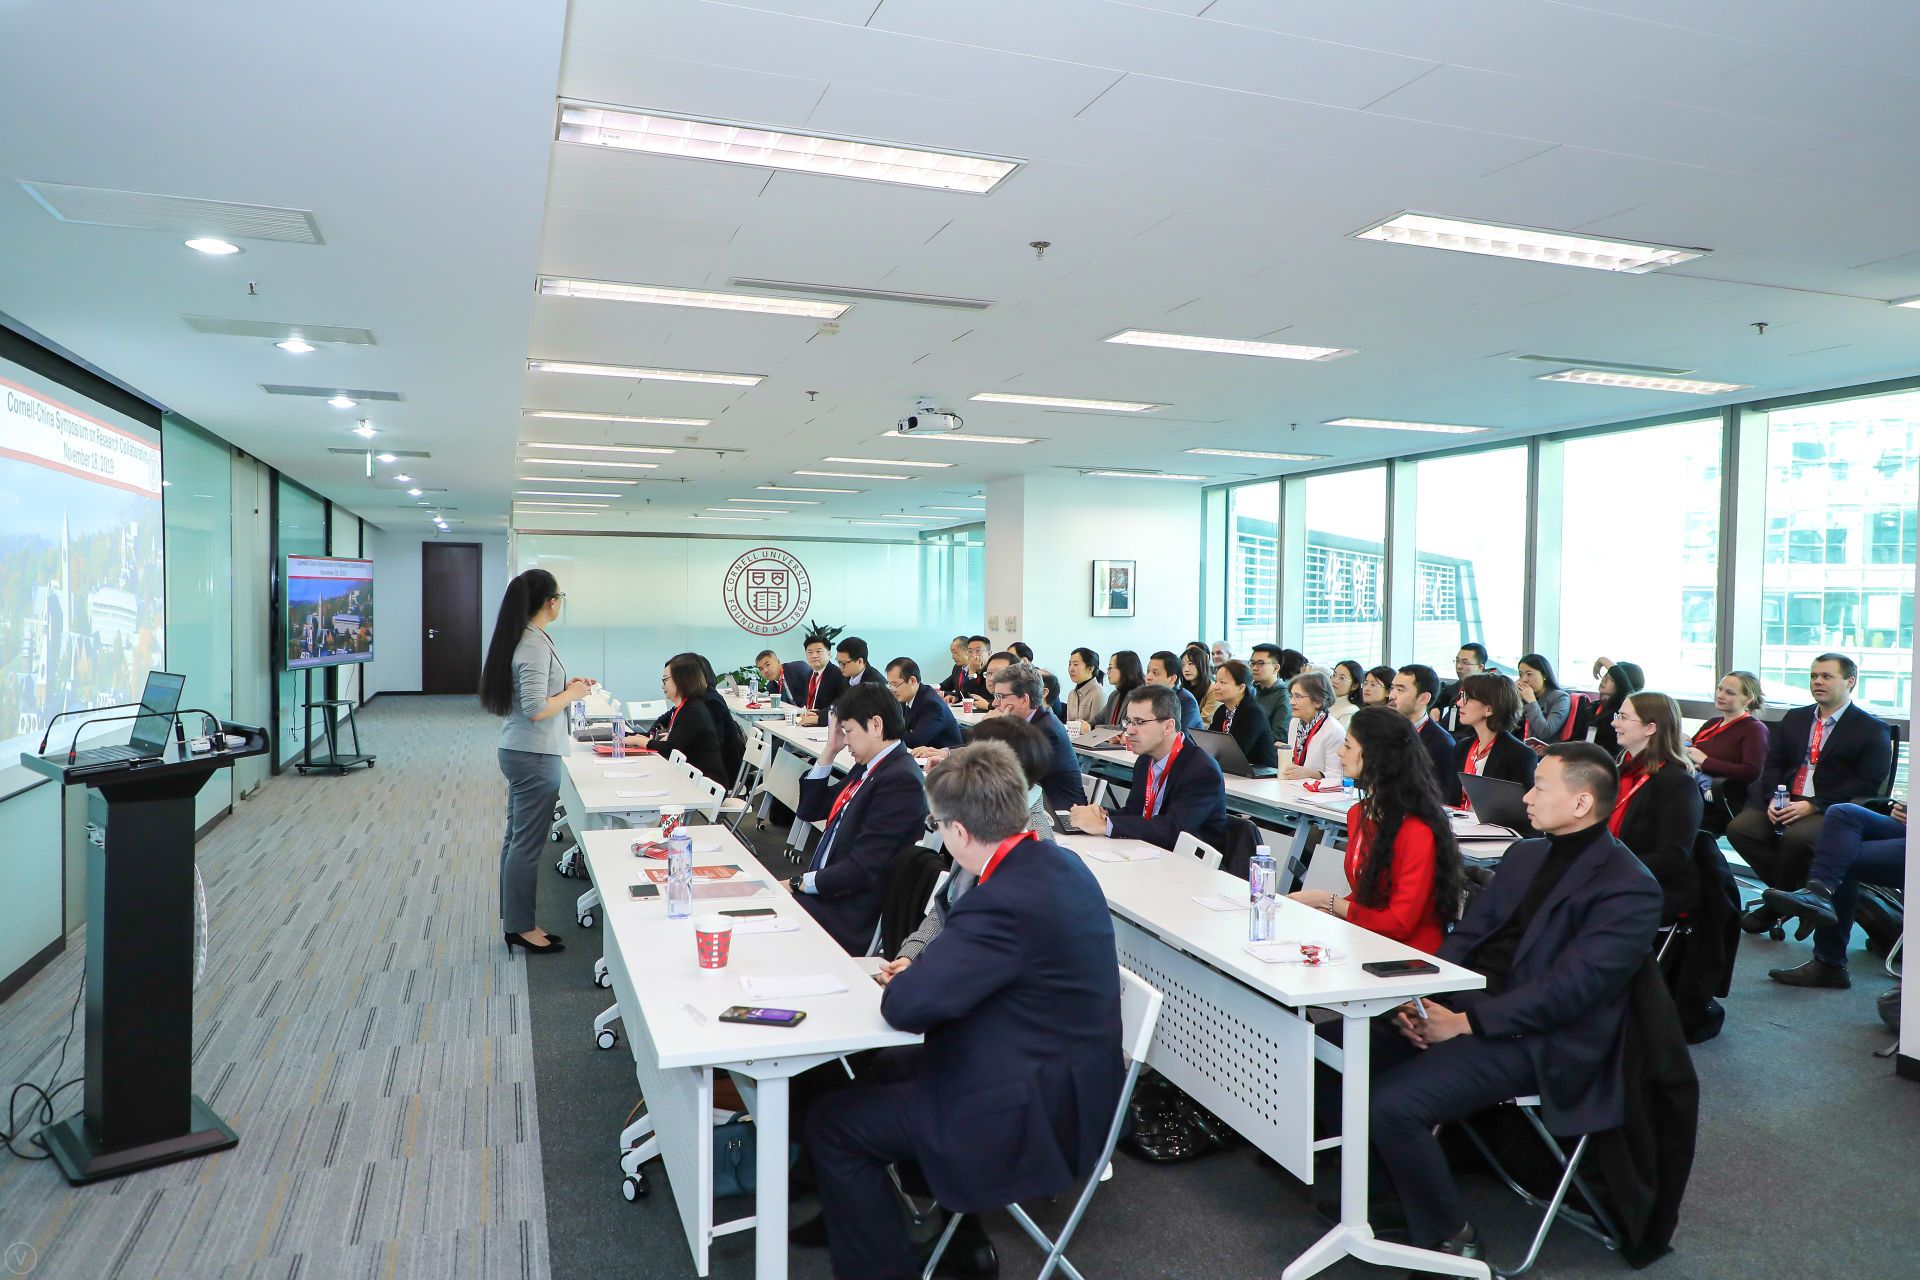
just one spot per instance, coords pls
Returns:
(1403, 864)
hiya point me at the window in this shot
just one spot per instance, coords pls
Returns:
(1253, 563)
(1470, 548)
(303, 532)
(199, 567)
(1639, 554)
(1840, 544)
(1344, 561)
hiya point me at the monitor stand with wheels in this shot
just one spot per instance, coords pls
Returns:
(335, 761)
(140, 1109)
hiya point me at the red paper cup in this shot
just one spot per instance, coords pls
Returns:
(712, 941)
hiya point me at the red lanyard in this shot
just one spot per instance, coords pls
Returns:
(813, 687)
(846, 794)
(1628, 790)
(1153, 781)
(1477, 757)
(674, 715)
(986, 872)
(1306, 739)
(1715, 728)
(1814, 740)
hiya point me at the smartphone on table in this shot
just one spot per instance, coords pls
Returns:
(764, 1017)
(1399, 968)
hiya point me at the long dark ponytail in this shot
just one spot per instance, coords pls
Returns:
(526, 595)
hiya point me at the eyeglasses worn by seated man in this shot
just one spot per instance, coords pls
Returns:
(1145, 736)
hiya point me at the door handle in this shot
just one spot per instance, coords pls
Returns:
(432, 634)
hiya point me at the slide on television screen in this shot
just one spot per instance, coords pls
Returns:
(82, 586)
(329, 611)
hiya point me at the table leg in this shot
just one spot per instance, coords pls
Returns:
(770, 1201)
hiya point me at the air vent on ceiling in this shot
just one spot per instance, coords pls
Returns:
(280, 330)
(327, 393)
(858, 294)
(105, 207)
(398, 453)
(1612, 366)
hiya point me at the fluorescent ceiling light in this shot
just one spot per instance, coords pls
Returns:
(365, 430)
(1262, 454)
(879, 524)
(215, 248)
(956, 437)
(592, 462)
(545, 505)
(385, 457)
(1530, 244)
(571, 416)
(342, 402)
(735, 519)
(413, 493)
(751, 511)
(975, 510)
(800, 488)
(1227, 346)
(559, 493)
(1143, 475)
(1905, 302)
(885, 462)
(595, 448)
(909, 519)
(614, 291)
(1064, 402)
(644, 374)
(575, 479)
(299, 346)
(663, 135)
(852, 475)
(785, 502)
(1388, 424)
(1637, 382)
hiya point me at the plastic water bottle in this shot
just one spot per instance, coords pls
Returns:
(679, 874)
(1261, 875)
(619, 737)
(1780, 801)
(577, 715)
(1349, 790)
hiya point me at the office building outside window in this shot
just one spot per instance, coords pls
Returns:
(1253, 516)
(1471, 547)
(1843, 478)
(1345, 565)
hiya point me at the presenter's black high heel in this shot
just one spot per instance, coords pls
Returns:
(515, 940)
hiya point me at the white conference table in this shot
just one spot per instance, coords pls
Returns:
(602, 786)
(1234, 1032)
(753, 709)
(670, 1007)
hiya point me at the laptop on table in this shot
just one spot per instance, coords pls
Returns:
(1227, 754)
(1497, 803)
(158, 703)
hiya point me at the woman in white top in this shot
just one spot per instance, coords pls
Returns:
(1345, 679)
(1086, 697)
(1312, 749)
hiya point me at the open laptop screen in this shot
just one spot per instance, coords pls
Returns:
(162, 699)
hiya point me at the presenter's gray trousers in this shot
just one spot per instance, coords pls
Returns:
(533, 785)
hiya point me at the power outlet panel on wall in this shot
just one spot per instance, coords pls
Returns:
(993, 622)
(1013, 623)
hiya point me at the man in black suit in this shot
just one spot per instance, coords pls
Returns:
(1011, 1096)
(929, 720)
(957, 649)
(1176, 787)
(1411, 694)
(851, 657)
(974, 684)
(824, 683)
(1471, 660)
(1018, 691)
(1559, 936)
(878, 809)
(788, 679)
(1829, 753)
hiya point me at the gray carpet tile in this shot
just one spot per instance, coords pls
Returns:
(360, 1025)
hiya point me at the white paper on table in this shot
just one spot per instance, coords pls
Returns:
(1221, 902)
(1287, 951)
(766, 924)
(658, 835)
(621, 773)
(639, 795)
(729, 889)
(789, 985)
(1099, 853)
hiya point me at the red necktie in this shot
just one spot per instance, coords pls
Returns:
(813, 688)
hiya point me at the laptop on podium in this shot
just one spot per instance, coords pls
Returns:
(158, 703)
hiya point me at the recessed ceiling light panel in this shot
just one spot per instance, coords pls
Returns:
(596, 448)
(571, 416)
(885, 462)
(1065, 402)
(1142, 475)
(1529, 244)
(1388, 424)
(1262, 454)
(1227, 346)
(1632, 382)
(852, 475)
(637, 373)
(958, 437)
(657, 295)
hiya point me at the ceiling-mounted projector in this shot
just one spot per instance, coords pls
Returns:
(925, 419)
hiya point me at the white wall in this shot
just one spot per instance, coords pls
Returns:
(1060, 526)
(396, 573)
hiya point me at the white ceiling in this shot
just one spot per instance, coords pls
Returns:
(1197, 166)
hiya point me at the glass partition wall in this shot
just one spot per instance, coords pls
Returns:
(1754, 537)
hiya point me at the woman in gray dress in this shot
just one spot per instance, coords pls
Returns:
(525, 681)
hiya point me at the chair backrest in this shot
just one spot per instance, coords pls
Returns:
(759, 747)
(782, 780)
(910, 880)
(1139, 1014)
(1580, 713)
(1893, 760)
(1192, 846)
(677, 756)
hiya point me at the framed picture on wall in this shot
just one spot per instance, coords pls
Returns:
(1113, 588)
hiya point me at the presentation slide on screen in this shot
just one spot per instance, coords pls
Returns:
(82, 584)
(329, 611)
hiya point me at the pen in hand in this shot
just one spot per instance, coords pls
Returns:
(1421, 1006)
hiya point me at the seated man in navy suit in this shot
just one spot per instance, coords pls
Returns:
(1163, 668)
(1176, 785)
(878, 809)
(788, 679)
(929, 720)
(1011, 1095)
(1412, 694)
(1559, 935)
(1017, 691)
(822, 685)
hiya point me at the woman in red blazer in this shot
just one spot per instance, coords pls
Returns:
(1403, 865)
(1732, 749)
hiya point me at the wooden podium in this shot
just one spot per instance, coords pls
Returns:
(141, 1110)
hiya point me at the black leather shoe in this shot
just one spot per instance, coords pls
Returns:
(811, 1234)
(1814, 973)
(1813, 905)
(517, 940)
(1759, 920)
(970, 1255)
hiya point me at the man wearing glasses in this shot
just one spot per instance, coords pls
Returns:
(1269, 690)
(1018, 691)
(824, 684)
(929, 720)
(851, 658)
(1176, 786)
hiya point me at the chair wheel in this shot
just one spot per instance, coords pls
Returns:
(606, 1038)
(603, 980)
(633, 1186)
(1777, 933)
(586, 919)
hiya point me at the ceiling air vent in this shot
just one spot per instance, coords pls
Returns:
(105, 207)
(858, 294)
(327, 393)
(280, 330)
(1611, 366)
